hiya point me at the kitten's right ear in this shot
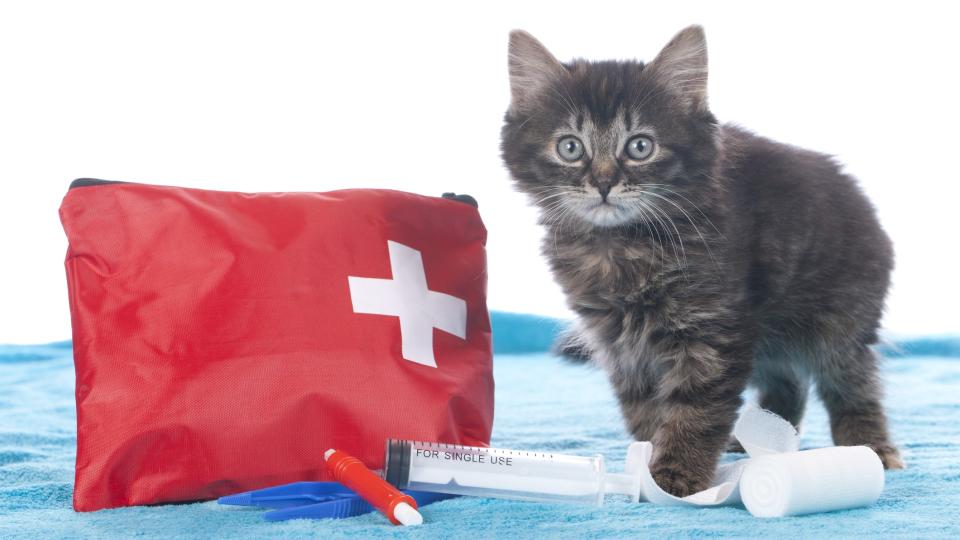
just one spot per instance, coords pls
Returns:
(682, 67)
(532, 68)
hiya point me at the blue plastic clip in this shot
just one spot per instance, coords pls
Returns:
(315, 500)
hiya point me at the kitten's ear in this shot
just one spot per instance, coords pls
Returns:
(682, 66)
(532, 68)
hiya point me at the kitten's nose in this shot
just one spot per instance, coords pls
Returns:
(604, 189)
(603, 177)
(603, 186)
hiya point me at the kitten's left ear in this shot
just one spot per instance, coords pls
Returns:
(532, 69)
(682, 67)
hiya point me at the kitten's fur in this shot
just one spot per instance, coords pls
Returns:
(723, 259)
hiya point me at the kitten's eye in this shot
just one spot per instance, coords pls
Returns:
(640, 147)
(570, 148)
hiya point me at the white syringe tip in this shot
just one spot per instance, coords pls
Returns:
(328, 453)
(406, 514)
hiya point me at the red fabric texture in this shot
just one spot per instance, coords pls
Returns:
(217, 349)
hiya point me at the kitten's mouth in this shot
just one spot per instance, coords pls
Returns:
(603, 203)
(604, 212)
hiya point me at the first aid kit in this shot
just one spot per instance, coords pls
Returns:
(223, 341)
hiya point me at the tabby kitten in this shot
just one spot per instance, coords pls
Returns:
(698, 256)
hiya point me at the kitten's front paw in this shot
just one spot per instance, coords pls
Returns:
(890, 457)
(675, 480)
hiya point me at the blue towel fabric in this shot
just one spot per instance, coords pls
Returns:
(542, 403)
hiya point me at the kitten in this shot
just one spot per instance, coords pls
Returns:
(698, 256)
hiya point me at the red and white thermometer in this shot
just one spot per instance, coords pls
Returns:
(399, 508)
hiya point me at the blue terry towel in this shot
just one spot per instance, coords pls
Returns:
(542, 403)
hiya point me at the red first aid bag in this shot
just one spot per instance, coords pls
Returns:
(223, 341)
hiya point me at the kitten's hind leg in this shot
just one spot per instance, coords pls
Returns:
(850, 388)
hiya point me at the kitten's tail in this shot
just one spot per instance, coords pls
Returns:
(571, 346)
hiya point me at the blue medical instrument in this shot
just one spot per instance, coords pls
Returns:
(314, 500)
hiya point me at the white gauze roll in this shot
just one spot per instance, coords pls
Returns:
(808, 481)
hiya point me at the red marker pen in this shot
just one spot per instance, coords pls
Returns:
(400, 508)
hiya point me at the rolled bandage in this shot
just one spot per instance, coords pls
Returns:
(820, 480)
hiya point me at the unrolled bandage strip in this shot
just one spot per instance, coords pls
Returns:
(776, 480)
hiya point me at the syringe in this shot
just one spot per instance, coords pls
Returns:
(505, 474)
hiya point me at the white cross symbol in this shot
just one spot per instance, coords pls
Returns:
(406, 296)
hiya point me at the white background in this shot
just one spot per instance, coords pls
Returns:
(275, 96)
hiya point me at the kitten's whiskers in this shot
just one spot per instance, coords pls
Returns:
(657, 213)
(689, 220)
(665, 187)
(651, 228)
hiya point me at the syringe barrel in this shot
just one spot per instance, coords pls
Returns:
(492, 472)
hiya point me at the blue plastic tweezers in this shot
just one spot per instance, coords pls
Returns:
(315, 500)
